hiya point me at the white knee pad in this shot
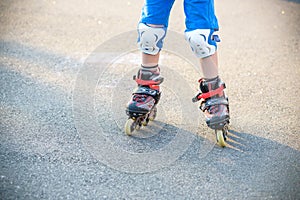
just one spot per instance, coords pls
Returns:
(150, 39)
(200, 42)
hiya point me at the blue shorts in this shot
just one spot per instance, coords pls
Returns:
(199, 14)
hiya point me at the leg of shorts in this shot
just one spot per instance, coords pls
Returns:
(156, 12)
(200, 14)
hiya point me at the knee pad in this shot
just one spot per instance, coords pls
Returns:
(150, 40)
(201, 42)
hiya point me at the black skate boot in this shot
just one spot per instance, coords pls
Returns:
(142, 106)
(214, 104)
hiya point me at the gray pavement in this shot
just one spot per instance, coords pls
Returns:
(50, 101)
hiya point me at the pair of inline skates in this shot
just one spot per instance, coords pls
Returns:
(142, 107)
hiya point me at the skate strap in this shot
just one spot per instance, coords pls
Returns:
(213, 102)
(150, 83)
(218, 91)
(145, 91)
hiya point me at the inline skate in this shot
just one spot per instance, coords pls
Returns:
(142, 107)
(214, 104)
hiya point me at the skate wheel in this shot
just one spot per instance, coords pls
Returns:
(130, 126)
(152, 114)
(138, 127)
(145, 121)
(220, 137)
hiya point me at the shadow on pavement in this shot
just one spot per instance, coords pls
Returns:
(36, 100)
(261, 166)
(295, 1)
(35, 55)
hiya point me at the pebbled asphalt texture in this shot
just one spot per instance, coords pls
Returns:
(44, 47)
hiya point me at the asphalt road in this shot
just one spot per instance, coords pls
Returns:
(65, 77)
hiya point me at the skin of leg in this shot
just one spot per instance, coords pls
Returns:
(147, 59)
(209, 66)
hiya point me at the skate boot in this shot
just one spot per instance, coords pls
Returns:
(214, 104)
(142, 106)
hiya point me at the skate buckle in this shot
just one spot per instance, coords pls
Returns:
(209, 94)
(154, 85)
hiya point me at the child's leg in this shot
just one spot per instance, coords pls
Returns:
(152, 30)
(209, 66)
(201, 23)
(155, 14)
(149, 60)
